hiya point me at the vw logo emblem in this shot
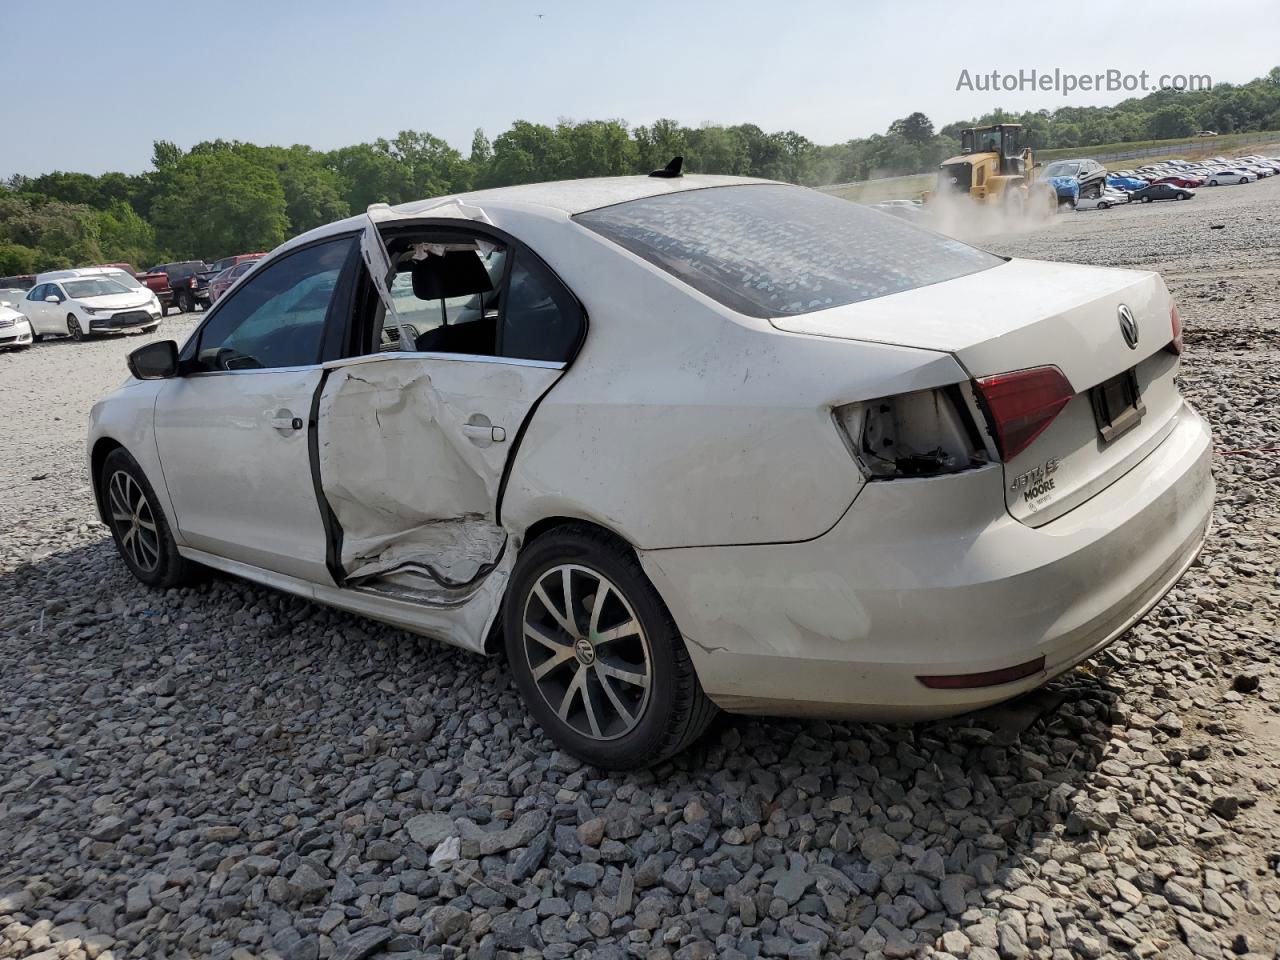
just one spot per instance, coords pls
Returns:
(585, 651)
(1128, 327)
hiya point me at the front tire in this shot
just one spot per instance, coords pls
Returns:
(74, 330)
(138, 525)
(596, 654)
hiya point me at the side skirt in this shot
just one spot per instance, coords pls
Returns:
(457, 626)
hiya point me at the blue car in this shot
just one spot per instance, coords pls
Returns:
(1067, 188)
(1126, 183)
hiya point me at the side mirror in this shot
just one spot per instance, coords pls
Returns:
(155, 361)
(52, 299)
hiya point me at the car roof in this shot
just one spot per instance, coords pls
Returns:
(72, 273)
(565, 197)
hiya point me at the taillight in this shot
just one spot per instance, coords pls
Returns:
(1022, 404)
(1175, 345)
(926, 433)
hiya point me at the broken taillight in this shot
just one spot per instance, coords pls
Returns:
(925, 433)
(1175, 345)
(1022, 404)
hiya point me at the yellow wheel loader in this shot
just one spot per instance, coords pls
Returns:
(995, 171)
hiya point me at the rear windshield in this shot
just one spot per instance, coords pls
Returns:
(771, 250)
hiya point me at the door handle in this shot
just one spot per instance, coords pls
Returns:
(480, 431)
(284, 420)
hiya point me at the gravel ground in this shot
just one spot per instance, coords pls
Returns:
(228, 771)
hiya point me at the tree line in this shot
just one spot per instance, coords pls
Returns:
(221, 197)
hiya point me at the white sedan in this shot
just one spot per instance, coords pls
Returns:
(677, 444)
(15, 331)
(1222, 178)
(83, 305)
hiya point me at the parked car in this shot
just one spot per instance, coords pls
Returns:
(119, 274)
(1181, 180)
(189, 281)
(1088, 174)
(223, 280)
(22, 281)
(227, 263)
(1126, 183)
(78, 307)
(1207, 133)
(591, 440)
(1161, 191)
(1110, 198)
(15, 329)
(1221, 178)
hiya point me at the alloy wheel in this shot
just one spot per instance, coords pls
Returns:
(73, 329)
(134, 521)
(587, 651)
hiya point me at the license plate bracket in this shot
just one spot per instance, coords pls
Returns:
(1117, 405)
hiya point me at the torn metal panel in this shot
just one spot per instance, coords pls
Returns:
(405, 496)
(410, 478)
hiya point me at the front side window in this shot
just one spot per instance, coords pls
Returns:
(277, 318)
(771, 250)
(38, 292)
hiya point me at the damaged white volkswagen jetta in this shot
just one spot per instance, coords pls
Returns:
(677, 443)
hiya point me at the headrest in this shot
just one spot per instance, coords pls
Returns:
(459, 273)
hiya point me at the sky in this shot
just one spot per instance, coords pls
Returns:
(105, 79)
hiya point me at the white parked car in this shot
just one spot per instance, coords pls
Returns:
(1234, 175)
(80, 306)
(15, 331)
(1110, 198)
(677, 443)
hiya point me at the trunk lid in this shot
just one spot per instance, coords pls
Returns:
(1025, 314)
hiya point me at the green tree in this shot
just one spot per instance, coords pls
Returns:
(915, 128)
(15, 259)
(125, 237)
(366, 174)
(1172, 121)
(219, 203)
(481, 150)
(165, 154)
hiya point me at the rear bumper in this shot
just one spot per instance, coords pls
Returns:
(906, 584)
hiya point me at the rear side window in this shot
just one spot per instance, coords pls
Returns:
(771, 250)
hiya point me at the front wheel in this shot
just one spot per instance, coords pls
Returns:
(596, 655)
(138, 525)
(74, 330)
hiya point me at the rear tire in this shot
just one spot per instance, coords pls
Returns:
(138, 525)
(185, 303)
(588, 636)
